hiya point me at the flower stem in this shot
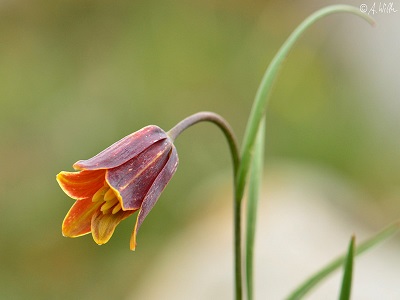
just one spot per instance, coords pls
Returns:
(237, 207)
(213, 118)
(242, 163)
(230, 136)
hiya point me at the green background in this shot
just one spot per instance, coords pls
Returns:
(75, 76)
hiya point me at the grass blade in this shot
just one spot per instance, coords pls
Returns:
(345, 290)
(263, 92)
(254, 194)
(310, 283)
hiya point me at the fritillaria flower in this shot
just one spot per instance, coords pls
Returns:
(126, 177)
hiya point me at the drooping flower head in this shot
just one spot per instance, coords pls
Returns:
(126, 177)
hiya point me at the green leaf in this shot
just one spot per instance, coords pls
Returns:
(264, 90)
(254, 195)
(345, 290)
(310, 283)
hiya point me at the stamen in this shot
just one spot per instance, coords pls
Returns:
(116, 208)
(109, 195)
(108, 204)
(99, 195)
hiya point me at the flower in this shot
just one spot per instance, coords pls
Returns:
(126, 177)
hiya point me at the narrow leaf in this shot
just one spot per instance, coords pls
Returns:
(348, 272)
(310, 283)
(264, 90)
(254, 194)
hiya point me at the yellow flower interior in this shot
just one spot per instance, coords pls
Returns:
(110, 201)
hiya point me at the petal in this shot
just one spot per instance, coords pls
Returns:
(154, 193)
(123, 150)
(81, 185)
(78, 219)
(132, 180)
(103, 225)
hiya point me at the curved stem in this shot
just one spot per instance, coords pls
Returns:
(230, 136)
(217, 120)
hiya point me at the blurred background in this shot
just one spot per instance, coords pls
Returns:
(77, 76)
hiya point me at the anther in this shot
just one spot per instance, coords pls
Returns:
(99, 195)
(109, 195)
(107, 205)
(116, 208)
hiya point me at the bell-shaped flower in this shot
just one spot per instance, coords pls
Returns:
(126, 177)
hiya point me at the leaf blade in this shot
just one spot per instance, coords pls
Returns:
(252, 204)
(312, 281)
(345, 290)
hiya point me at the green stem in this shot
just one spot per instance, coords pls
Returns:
(238, 248)
(252, 203)
(230, 136)
(202, 116)
(242, 163)
(263, 92)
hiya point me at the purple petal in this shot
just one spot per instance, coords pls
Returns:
(154, 193)
(133, 179)
(123, 150)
